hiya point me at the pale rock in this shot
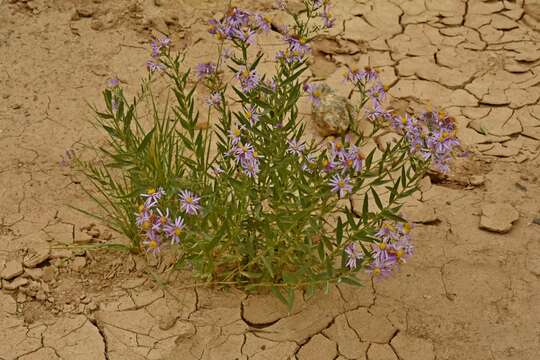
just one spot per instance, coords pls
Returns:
(332, 116)
(452, 20)
(514, 14)
(358, 30)
(61, 233)
(446, 7)
(12, 269)
(370, 328)
(502, 22)
(438, 94)
(261, 349)
(483, 8)
(146, 297)
(15, 340)
(475, 112)
(501, 121)
(497, 98)
(83, 343)
(508, 149)
(471, 137)
(477, 180)
(412, 348)
(137, 321)
(425, 69)
(347, 341)
(318, 347)
(520, 97)
(15, 284)
(36, 257)
(133, 283)
(420, 213)
(266, 309)
(7, 305)
(41, 354)
(78, 263)
(381, 352)
(498, 217)
(516, 67)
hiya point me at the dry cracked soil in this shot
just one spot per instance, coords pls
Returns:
(471, 292)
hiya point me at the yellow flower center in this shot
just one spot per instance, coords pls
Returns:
(189, 200)
(146, 225)
(349, 162)
(236, 132)
(317, 93)
(177, 231)
(141, 207)
(376, 271)
(399, 253)
(163, 220)
(325, 163)
(255, 154)
(153, 244)
(341, 183)
(382, 246)
(404, 120)
(406, 228)
(151, 191)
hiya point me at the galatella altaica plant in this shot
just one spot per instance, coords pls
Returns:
(249, 201)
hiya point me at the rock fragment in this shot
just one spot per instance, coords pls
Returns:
(15, 284)
(381, 352)
(498, 217)
(318, 347)
(37, 257)
(12, 269)
(412, 348)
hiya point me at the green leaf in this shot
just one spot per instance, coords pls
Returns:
(352, 280)
(339, 231)
(377, 199)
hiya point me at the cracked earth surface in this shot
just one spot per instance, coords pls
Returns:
(472, 291)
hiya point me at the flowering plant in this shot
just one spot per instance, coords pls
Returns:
(251, 201)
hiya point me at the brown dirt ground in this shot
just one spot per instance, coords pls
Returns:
(471, 292)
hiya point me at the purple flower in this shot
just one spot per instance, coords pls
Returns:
(248, 79)
(341, 185)
(154, 66)
(154, 194)
(327, 17)
(189, 202)
(112, 83)
(354, 254)
(158, 44)
(214, 99)
(295, 147)
(246, 36)
(355, 75)
(242, 151)
(161, 220)
(152, 243)
(217, 170)
(263, 23)
(380, 268)
(252, 115)
(250, 165)
(314, 92)
(205, 70)
(174, 230)
(310, 163)
(235, 134)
